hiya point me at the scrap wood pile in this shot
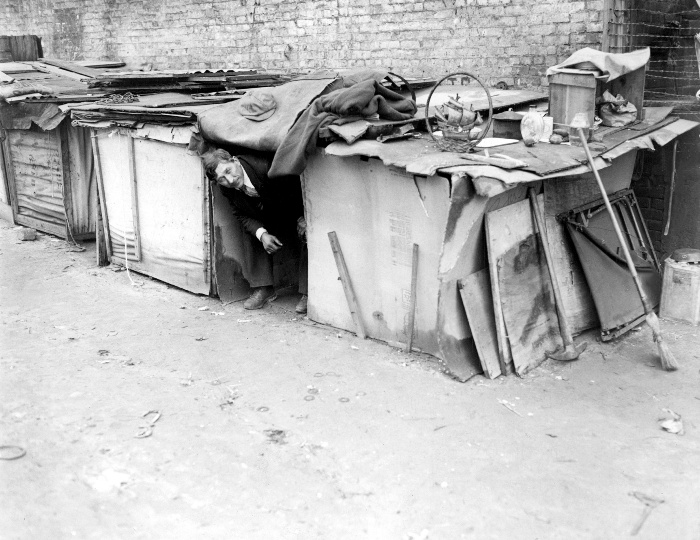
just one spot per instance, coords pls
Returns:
(189, 81)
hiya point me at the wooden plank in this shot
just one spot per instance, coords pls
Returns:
(347, 284)
(475, 291)
(72, 67)
(5, 78)
(40, 225)
(206, 227)
(414, 292)
(524, 290)
(64, 157)
(46, 68)
(494, 250)
(101, 253)
(134, 196)
(101, 204)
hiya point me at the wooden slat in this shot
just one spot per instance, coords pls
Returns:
(347, 284)
(72, 67)
(64, 157)
(475, 291)
(134, 196)
(504, 352)
(414, 292)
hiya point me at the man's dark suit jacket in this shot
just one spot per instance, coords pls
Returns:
(280, 202)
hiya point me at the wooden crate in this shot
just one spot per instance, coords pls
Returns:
(572, 93)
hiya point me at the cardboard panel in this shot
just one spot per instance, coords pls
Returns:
(114, 157)
(378, 213)
(173, 216)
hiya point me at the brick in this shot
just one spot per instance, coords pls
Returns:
(498, 39)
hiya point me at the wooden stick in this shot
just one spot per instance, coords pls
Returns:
(412, 308)
(101, 193)
(347, 285)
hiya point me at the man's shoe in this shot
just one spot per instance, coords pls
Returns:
(301, 305)
(260, 297)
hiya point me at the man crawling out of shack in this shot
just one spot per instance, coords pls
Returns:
(271, 211)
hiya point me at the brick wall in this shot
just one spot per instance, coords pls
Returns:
(510, 40)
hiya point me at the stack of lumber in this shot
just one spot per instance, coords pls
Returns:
(190, 81)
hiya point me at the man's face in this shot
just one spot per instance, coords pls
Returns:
(229, 174)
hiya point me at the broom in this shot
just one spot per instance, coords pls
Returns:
(668, 361)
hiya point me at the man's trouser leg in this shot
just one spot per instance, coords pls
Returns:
(257, 263)
(304, 268)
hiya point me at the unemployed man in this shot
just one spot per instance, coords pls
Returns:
(272, 213)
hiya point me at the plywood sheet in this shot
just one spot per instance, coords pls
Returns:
(522, 284)
(478, 303)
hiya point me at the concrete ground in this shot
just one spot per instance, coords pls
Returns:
(271, 427)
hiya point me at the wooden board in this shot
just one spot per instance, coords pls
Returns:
(523, 286)
(475, 291)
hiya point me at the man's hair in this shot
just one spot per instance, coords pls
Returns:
(212, 159)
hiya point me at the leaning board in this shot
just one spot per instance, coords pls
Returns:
(523, 286)
(475, 290)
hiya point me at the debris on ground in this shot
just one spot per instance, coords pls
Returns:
(276, 436)
(203, 308)
(10, 452)
(147, 431)
(25, 234)
(649, 504)
(509, 406)
(672, 422)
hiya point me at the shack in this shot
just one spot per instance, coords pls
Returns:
(46, 162)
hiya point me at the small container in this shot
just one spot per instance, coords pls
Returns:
(579, 121)
(680, 294)
(506, 125)
(532, 127)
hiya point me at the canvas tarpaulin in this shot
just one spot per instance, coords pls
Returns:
(225, 125)
(611, 65)
(364, 99)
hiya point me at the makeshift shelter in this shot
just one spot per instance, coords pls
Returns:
(47, 163)
(154, 196)
(380, 199)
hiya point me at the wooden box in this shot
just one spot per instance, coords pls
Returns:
(576, 91)
(680, 295)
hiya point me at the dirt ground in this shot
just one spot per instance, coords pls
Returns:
(273, 427)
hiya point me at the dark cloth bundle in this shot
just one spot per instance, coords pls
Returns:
(363, 99)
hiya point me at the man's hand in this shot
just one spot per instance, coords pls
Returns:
(270, 243)
(301, 227)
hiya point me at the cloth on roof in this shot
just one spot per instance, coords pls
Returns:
(224, 125)
(611, 65)
(364, 99)
(22, 115)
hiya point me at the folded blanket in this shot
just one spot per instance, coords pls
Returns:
(363, 99)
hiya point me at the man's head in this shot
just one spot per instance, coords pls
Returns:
(223, 168)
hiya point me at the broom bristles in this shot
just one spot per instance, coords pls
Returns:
(668, 361)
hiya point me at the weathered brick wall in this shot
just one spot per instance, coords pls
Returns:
(510, 40)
